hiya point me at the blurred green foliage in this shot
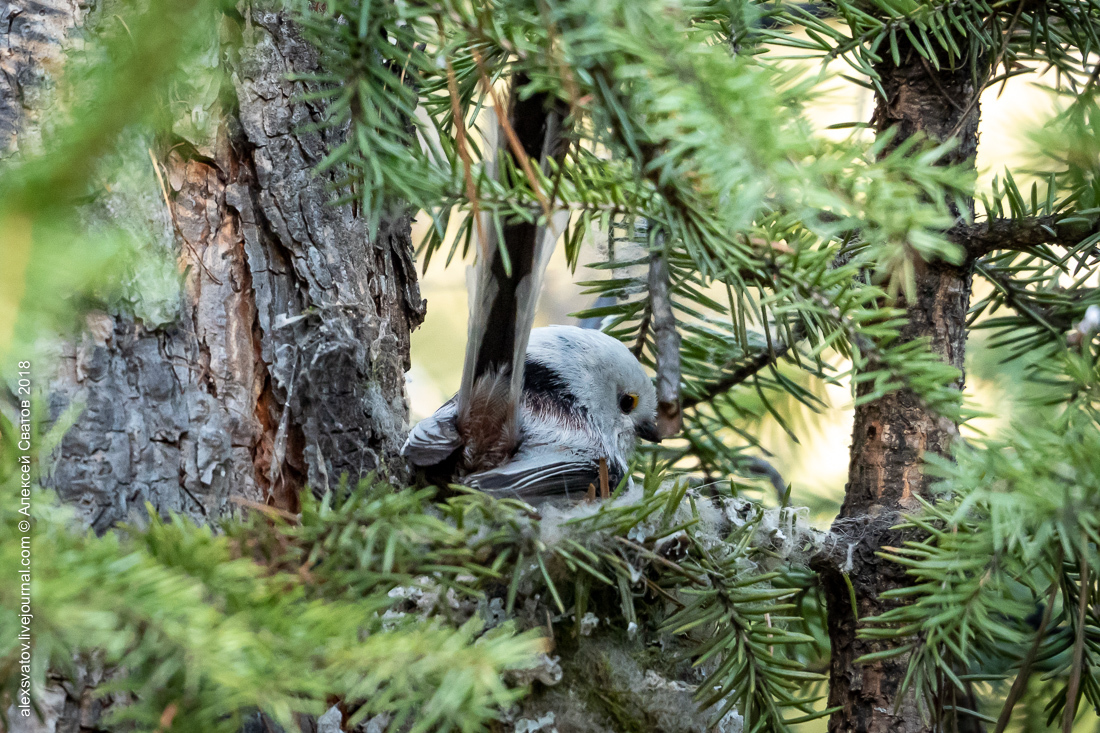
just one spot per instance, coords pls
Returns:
(195, 630)
(62, 255)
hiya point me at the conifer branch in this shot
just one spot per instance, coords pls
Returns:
(1018, 234)
(746, 369)
(1069, 713)
(667, 345)
(1049, 310)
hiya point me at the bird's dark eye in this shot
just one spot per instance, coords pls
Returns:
(628, 402)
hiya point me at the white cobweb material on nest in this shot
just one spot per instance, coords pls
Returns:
(787, 531)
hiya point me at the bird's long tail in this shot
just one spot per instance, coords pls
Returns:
(507, 279)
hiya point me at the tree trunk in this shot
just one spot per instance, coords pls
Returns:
(286, 362)
(281, 361)
(891, 435)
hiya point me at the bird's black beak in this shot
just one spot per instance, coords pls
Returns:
(648, 431)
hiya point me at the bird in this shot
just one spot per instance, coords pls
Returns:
(585, 397)
(537, 410)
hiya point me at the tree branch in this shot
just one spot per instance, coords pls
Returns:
(1051, 310)
(748, 367)
(1015, 295)
(1017, 234)
(667, 345)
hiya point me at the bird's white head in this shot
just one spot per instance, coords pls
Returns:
(603, 380)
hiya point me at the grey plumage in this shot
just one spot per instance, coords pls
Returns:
(536, 410)
(577, 385)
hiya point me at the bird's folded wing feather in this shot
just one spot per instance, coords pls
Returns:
(434, 438)
(541, 476)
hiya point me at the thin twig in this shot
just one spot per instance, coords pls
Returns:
(463, 149)
(1070, 711)
(936, 80)
(664, 593)
(748, 368)
(605, 479)
(985, 82)
(1020, 683)
(564, 69)
(1012, 299)
(1091, 80)
(175, 222)
(662, 560)
(510, 133)
(666, 338)
(643, 331)
(561, 171)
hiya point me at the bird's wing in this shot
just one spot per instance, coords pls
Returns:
(434, 438)
(543, 476)
(503, 296)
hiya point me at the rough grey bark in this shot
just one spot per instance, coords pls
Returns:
(666, 343)
(286, 362)
(34, 35)
(281, 360)
(891, 435)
